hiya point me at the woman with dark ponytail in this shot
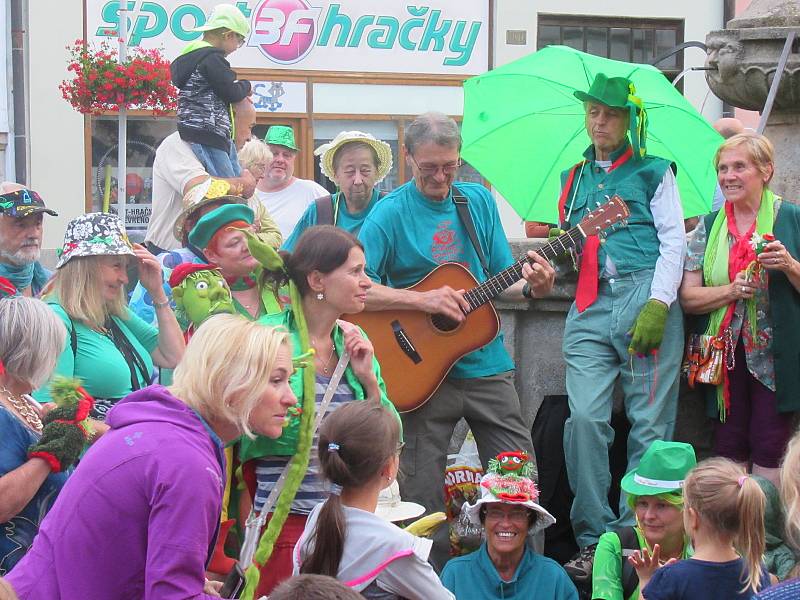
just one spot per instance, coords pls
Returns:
(326, 279)
(359, 449)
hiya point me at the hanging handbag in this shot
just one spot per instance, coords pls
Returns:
(706, 356)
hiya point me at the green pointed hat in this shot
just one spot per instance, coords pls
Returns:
(661, 470)
(619, 92)
(281, 135)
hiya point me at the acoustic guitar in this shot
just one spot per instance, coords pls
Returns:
(416, 350)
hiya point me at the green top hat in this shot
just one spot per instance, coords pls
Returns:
(619, 92)
(661, 470)
(281, 135)
(213, 221)
(226, 16)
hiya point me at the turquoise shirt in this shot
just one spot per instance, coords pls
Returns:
(408, 235)
(97, 362)
(342, 218)
(474, 577)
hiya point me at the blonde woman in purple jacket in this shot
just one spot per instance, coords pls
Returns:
(139, 517)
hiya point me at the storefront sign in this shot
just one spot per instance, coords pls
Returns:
(279, 96)
(137, 216)
(432, 36)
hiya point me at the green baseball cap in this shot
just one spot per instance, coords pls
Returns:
(661, 470)
(281, 135)
(226, 16)
(211, 222)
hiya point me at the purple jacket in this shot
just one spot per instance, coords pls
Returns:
(139, 517)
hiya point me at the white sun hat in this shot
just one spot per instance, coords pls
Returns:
(327, 151)
(392, 508)
(508, 481)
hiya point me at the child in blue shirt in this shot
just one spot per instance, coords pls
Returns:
(724, 517)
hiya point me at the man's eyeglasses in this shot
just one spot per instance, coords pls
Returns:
(431, 170)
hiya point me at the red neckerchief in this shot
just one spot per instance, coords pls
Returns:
(588, 275)
(740, 255)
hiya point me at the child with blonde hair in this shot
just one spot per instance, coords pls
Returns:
(724, 517)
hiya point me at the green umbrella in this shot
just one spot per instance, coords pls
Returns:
(522, 127)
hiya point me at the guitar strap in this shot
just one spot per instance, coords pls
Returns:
(460, 200)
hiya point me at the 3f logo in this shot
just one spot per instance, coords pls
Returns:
(284, 29)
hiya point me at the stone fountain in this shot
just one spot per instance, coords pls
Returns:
(743, 59)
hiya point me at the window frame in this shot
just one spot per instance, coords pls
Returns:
(610, 22)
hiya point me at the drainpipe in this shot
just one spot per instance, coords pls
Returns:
(19, 88)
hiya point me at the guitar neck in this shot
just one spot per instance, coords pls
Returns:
(494, 286)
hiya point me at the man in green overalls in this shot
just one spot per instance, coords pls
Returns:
(625, 323)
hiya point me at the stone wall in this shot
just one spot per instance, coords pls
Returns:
(533, 336)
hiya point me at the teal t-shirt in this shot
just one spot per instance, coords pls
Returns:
(474, 577)
(98, 362)
(342, 218)
(408, 235)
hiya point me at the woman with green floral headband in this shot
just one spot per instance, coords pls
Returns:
(654, 490)
(742, 278)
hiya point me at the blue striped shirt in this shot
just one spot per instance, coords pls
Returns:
(313, 489)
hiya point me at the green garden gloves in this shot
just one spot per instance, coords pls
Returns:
(648, 329)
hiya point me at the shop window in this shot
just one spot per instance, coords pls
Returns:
(144, 136)
(627, 39)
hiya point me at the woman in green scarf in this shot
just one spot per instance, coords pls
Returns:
(743, 279)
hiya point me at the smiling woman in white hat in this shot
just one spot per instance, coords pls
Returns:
(356, 162)
(504, 566)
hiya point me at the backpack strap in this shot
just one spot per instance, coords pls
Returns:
(324, 206)
(629, 542)
(460, 200)
(73, 338)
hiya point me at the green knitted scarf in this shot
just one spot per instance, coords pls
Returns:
(298, 464)
(716, 273)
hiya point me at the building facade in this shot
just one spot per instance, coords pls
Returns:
(324, 66)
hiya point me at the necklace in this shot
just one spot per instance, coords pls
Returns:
(24, 408)
(327, 364)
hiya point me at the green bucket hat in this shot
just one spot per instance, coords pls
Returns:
(211, 222)
(281, 135)
(226, 16)
(619, 92)
(661, 470)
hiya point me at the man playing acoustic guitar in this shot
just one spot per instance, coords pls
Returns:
(410, 232)
(625, 323)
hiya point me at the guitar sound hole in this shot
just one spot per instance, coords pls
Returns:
(443, 323)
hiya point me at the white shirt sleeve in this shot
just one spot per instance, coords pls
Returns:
(668, 220)
(413, 577)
